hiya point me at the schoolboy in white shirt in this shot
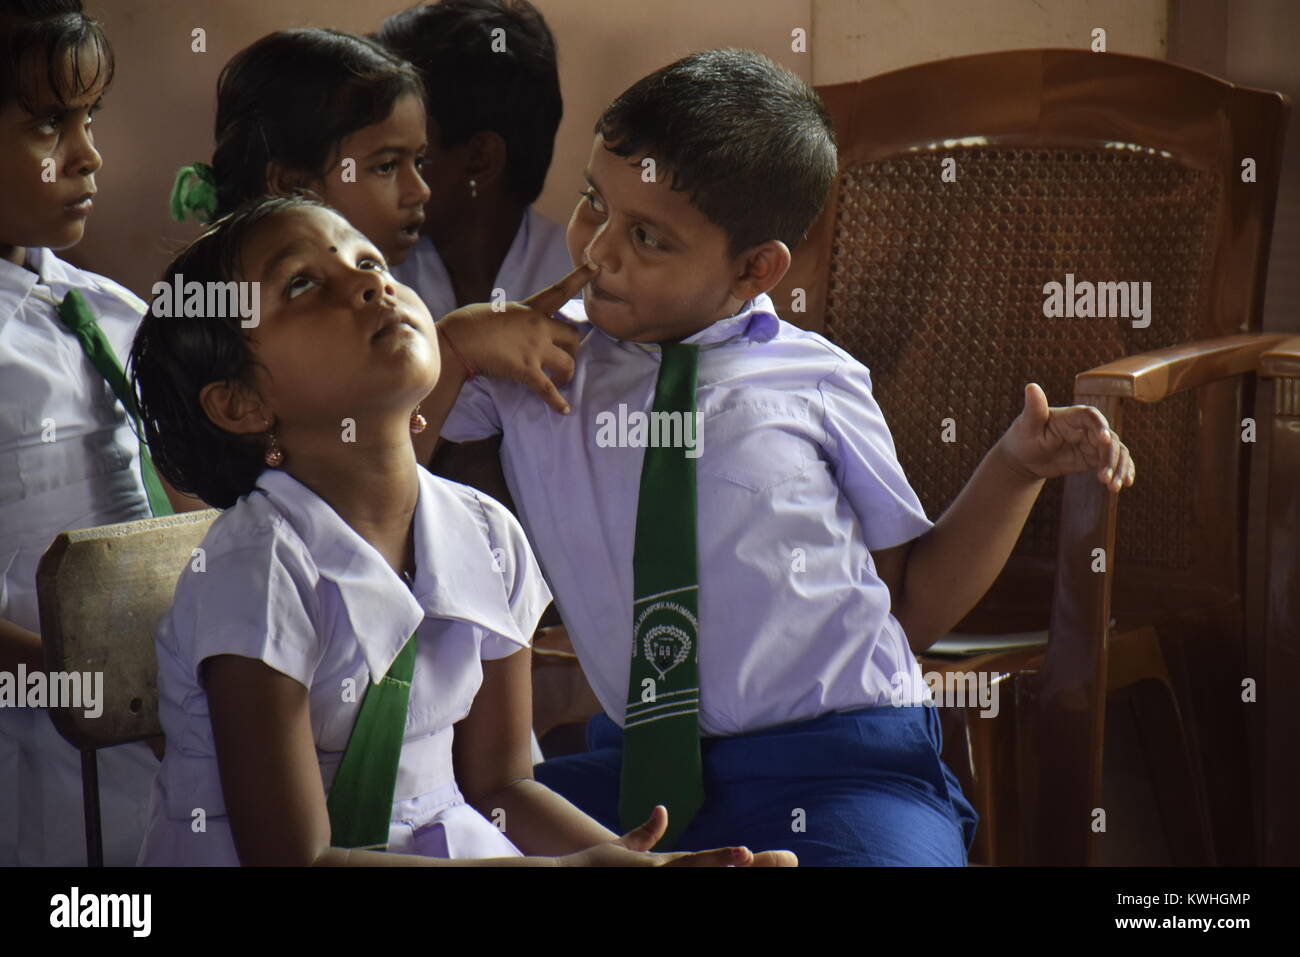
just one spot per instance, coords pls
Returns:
(747, 619)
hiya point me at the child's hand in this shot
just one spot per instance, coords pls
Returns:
(522, 342)
(632, 850)
(1047, 442)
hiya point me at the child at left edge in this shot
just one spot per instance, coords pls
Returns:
(68, 456)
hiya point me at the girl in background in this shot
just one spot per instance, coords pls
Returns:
(320, 111)
(340, 117)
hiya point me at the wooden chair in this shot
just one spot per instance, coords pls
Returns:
(1110, 168)
(561, 694)
(1276, 658)
(101, 593)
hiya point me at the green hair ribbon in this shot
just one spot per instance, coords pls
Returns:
(194, 193)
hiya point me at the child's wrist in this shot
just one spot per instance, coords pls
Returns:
(470, 372)
(1011, 465)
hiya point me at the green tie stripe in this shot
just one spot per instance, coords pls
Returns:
(76, 315)
(661, 731)
(360, 801)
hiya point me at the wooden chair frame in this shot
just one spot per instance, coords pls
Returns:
(1059, 99)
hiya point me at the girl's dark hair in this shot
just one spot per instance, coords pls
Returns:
(173, 358)
(474, 83)
(750, 143)
(292, 97)
(40, 36)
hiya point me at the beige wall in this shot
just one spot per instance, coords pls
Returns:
(856, 39)
(1263, 50)
(605, 47)
(159, 113)
(160, 110)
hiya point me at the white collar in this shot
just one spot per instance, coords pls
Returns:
(17, 282)
(755, 321)
(454, 566)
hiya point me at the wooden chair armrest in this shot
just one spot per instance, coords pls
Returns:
(1281, 361)
(1073, 677)
(1156, 375)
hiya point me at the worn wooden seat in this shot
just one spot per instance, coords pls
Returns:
(102, 592)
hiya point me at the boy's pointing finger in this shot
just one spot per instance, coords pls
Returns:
(553, 297)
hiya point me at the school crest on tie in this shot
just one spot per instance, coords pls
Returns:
(663, 635)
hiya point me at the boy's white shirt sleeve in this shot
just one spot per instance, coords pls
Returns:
(861, 450)
(255, 600)
(475, 415)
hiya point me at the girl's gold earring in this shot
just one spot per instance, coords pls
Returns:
(274, 456)
(418, 422)
(473, 189)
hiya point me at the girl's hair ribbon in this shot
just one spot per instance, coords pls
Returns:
(194, 193)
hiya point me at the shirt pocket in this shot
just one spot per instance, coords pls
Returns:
(758, 442)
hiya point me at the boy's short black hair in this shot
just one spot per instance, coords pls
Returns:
(173, 358)
(470, 87)
(291, 97)
(747, 140)
(40, 36)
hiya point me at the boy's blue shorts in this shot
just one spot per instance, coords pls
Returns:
(870, 784)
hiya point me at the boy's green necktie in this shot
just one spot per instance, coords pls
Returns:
(661, 732)
(76, 315)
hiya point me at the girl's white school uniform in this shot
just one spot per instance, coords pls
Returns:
(68, 459)
(286, 581)
(538, 257)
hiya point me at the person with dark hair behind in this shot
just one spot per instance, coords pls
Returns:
(68, 458)
(492, 93)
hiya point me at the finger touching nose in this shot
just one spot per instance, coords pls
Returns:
(599, 250)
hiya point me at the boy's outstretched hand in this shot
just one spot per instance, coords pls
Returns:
(633, 850)
(521, 341)
(1045, 442)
